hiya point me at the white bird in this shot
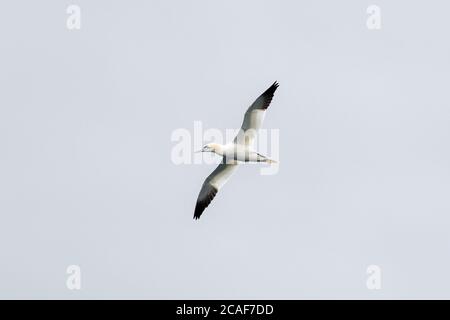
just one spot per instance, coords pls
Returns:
(240, 150)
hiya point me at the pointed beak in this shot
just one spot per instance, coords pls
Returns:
(198, 151)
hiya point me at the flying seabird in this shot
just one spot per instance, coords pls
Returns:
(240, 150)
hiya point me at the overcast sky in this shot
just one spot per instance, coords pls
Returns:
(87, 179)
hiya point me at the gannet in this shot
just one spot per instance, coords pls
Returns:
(239, 150)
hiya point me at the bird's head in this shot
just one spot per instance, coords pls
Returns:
(210, 147)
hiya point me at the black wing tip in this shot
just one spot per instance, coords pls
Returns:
(268, 95)
(202, 204)
(273, 87)
(271, 90)
(198, 212)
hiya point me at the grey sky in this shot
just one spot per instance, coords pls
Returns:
(86, 176)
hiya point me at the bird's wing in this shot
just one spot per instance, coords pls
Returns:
(254, 117)
(212, 185)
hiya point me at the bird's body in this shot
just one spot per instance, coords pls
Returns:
(235, 152)
(238, 152)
